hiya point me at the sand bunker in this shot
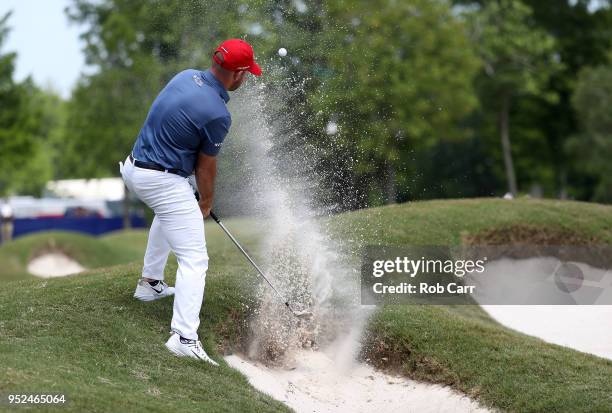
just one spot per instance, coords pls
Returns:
(315, 383)
(53, 264)
(581, 327)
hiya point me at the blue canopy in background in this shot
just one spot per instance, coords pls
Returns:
(88, 225)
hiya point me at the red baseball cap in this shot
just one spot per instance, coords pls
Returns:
(237, 55)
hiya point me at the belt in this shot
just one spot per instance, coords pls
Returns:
(155, 167)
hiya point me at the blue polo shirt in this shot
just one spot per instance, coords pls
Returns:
(187, 117)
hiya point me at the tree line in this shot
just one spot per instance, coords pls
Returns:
(402, 100)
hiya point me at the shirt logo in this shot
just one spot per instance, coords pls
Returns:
(198, 80)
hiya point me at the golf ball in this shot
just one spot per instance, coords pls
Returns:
(282, 52)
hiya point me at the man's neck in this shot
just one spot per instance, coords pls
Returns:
(224, 81)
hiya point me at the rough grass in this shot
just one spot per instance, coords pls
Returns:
(85, 336)
(447, 222)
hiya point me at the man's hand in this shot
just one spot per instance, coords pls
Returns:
(205, 173)
(205, 207)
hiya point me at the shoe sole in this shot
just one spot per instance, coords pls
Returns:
(180, 354)
(141, 298)
(151, 297)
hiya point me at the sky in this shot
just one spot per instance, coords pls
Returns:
(47, 45)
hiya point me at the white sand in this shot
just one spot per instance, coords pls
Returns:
(53, 264)
(586, 328)
(316, 384)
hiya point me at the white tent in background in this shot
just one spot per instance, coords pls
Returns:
(108, 189)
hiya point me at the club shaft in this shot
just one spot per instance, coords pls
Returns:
(248, 257)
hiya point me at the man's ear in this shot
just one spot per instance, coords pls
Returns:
(219, 58)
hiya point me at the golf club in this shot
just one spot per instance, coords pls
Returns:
(299, 314)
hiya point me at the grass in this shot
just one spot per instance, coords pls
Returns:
(448, 222)
(86, 337)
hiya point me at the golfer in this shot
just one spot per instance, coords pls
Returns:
(181, 136)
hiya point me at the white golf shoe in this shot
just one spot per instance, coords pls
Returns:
(190, 348)
(145, 291)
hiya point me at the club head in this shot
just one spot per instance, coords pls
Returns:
(304, 314)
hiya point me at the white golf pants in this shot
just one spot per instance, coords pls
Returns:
(178, 226)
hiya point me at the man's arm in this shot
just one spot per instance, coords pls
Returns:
(205, 173)
(213, 133)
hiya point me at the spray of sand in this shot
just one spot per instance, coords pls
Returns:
(299, 254)
(311, 365)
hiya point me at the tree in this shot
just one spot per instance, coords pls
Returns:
(518, 59)
(592, 148)
(401, 80)
(46, 112)
(104, 116)
(583, 35)
(25, 125)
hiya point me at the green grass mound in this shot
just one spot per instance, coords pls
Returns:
(85, 336)
(451, 222)
(90, 252)
(132, 242)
